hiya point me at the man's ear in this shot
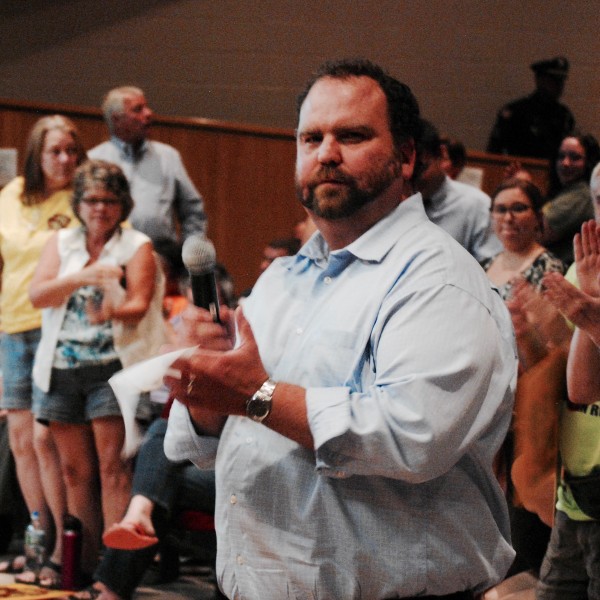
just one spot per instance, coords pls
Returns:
(407, 154)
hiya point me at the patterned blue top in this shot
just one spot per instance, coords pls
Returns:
(79, 342)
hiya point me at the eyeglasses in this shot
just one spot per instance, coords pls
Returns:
(105, 201)
(515, 209)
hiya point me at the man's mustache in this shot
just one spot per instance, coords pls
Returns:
(329, 174)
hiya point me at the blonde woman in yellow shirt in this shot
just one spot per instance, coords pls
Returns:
(33, 206)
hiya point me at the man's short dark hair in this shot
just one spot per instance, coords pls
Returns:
(457, 153)
(430, 141)
(403, 108)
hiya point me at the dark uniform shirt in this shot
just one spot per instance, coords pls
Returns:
(532, 126)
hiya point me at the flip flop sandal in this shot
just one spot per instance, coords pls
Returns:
(16, 565)
(127, 537)
(50, 575)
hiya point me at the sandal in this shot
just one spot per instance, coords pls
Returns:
(16, 565)
(50, 575)
(126, 536)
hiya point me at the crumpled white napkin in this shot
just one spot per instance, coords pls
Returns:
(129, 383)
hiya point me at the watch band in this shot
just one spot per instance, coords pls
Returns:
(259, 406)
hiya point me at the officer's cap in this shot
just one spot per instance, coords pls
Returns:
(555, 67)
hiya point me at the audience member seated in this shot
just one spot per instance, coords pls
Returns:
(275, 249)
(569, 202)
(460, 209)
(454, 157)
(91, 328)
(32, 207)
(517, 221)
(160, 490)
(176, 275)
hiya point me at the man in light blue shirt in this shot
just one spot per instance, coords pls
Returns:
(354, 423)
(167, 204)
(458, 208)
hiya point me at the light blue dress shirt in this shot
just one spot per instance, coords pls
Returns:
(464, 212)
(163, 192)
(409, 362)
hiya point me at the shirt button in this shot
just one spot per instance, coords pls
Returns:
(299, 330)
(327, 280)
(233, 499)
(249, 440)
(240, 560)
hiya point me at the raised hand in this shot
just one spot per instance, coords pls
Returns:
(580, 308)
(586, 247)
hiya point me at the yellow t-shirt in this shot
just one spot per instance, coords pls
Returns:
(579, 441)
(24, 230)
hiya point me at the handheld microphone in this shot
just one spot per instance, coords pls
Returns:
(200, 259)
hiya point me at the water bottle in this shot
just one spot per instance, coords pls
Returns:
(35, 544)
(71, 566)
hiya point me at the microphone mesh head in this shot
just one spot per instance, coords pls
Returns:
(198, 255)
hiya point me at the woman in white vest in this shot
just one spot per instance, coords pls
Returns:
(97, 285)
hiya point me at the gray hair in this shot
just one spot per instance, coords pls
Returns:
(114, 101)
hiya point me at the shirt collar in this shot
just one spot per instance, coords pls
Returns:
(126, 150)
(375, 243)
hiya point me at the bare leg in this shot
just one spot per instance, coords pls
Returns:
(75, 445)
(52, 483)
(115, 473)
(20, 435)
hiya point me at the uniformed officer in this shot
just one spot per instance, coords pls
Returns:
(535, 125)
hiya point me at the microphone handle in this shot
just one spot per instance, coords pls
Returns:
(204, 293)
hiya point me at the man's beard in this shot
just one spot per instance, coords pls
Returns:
(346, 199)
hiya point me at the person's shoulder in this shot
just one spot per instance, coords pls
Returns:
(163, 148)
(508, 110)
(550, 262)
(102, 150)
(131, 235)
(13, 189)
(470, 194)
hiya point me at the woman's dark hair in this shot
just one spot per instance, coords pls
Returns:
(592, 157)
(99, 173)
(529, 189)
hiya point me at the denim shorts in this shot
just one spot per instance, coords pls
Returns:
(18, 352)
(79, 395)
(571, 567)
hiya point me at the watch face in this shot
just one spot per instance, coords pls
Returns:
(258, 409)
